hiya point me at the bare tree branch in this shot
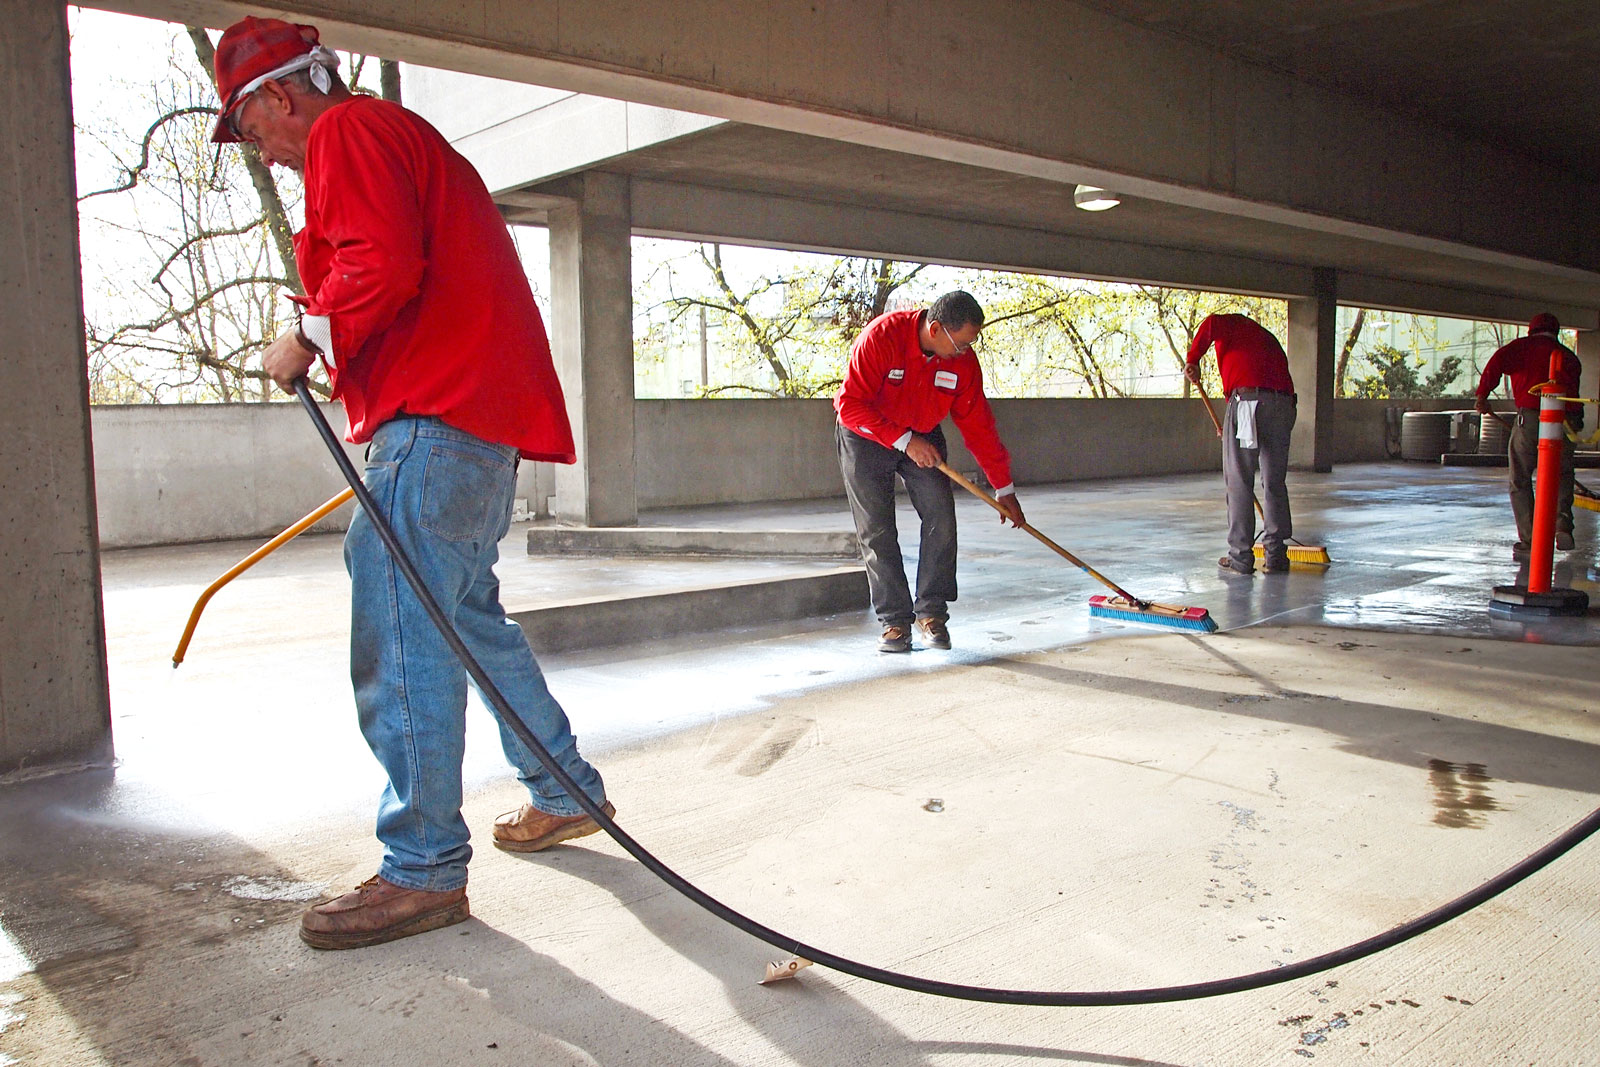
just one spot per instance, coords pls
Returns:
(204, 235)
(260, 174)
(131, 175)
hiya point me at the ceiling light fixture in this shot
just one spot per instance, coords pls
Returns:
(1092, 199)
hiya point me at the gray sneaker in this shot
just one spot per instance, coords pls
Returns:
(934, 632)
(895, 639)
(1564, 541)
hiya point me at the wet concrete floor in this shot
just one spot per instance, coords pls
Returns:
(1119, 807)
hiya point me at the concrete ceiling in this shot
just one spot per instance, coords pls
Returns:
(1518, 75)
(778, 163)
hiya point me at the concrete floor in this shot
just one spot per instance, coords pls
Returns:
(1121, 807)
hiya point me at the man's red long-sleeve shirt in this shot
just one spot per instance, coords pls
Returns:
(429, 309)
(1248, 356)
(1526, 361)
(893, 387)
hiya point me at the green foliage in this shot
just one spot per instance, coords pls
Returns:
(1395, 375)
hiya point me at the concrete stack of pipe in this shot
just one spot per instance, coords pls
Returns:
(1424, 435)
(1493, 437)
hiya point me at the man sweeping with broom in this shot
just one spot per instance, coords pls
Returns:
(908, 370)
(1255, 435)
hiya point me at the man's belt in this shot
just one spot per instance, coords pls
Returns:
(1253, 393)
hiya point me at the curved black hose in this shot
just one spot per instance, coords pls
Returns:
(1404, 932)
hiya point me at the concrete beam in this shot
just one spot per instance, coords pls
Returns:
(548, 136)
(1419, 298)
(1311, 364)
(671, 209)
(54, 706)
(1068, 93)
(591, 282)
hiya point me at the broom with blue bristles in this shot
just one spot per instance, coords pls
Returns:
(1124, 605)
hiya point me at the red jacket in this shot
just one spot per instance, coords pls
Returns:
(892, 388)
(429, 308)
(1248, 356)
(1526, 361)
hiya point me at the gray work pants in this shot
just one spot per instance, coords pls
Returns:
(1523, 453)
(1275, 414)
(869, 471)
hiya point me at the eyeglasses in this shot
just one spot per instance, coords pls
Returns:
(233, 118)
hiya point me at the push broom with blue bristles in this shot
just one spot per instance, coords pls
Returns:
(1124, 606)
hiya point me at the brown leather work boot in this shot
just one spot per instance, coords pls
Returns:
(935, 634)
(896, 638)
(377, 911)
(528, 829)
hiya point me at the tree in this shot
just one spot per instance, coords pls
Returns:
(1350, 340)
(1178, 313)
(1045, 334)
(792, 326)
(1394, 375)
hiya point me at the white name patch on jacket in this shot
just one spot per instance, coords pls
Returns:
(897, 374)
(944, 379)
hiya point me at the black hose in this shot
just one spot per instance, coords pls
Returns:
(1110, 998)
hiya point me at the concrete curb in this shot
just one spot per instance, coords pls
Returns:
(672, 541)
(602, 621)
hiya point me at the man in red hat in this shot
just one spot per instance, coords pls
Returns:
(1526, 361)
(417, 306)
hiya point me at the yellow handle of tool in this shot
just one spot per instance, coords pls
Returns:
(1063, 553)
(300, 527)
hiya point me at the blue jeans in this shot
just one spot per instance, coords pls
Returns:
(448, 496)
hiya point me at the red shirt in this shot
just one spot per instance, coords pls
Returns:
(1248, 356)
(892, 387)
(1526, 361)
(430, 311)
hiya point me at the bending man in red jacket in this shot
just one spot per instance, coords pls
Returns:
(1255, 435)
(418, 307)
(1526, 361)
(908, 370)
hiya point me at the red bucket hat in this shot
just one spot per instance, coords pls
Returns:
(1544, 322)
(253, 50)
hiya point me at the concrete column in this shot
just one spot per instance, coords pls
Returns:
(54, 706)
(591, 300)
(1589, 384)
(1311, 352)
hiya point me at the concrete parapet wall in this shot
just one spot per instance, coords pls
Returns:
(168, 474)
(1359, 426)
(723, 451)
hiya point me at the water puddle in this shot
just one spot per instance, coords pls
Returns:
(1460, 794)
